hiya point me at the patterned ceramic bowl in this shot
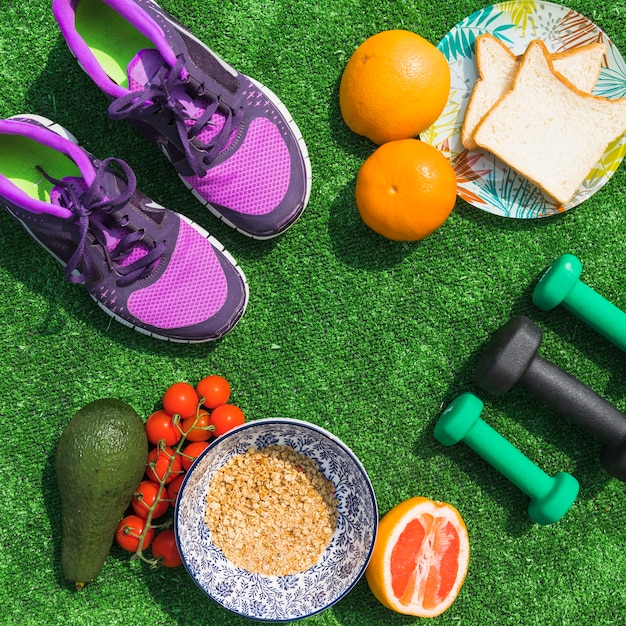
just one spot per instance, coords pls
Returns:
(280, 598)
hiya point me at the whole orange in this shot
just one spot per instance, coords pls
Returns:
(405, 190)
(394, 86)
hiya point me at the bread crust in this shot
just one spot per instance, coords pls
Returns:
(474, 111)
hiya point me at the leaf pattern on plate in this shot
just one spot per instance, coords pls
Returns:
(609, 163)
(438, 134)
(459, 42)
(576, 30)
(612, 80)
(464, 165)
(521, 15)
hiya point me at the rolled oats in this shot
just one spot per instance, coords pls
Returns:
(271, 511)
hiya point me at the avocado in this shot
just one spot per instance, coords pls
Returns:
(100, 459)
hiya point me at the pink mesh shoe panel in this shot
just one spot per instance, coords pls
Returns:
(142, 68)
(255, 178)
(192, 289)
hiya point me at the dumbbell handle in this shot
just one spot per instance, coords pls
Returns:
(579, 404)
(598, 313)
(508, 460)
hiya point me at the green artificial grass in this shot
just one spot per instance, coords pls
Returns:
(366, 337)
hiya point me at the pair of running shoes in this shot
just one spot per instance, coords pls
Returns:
(229, 138)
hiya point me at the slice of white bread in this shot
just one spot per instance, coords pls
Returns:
(497, 66)
(549, 131)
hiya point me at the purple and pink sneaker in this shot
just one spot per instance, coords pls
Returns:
(231, 140)
(147, 267)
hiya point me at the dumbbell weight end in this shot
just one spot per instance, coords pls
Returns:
(511, 358)
(557, 502)
(557, 282)
(613, 460)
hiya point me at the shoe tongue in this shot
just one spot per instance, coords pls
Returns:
(143, 71)
(58, 194)
(143, 68)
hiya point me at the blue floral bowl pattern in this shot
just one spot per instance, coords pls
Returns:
(280, 598)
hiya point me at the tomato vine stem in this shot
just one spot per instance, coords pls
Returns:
(163, 480)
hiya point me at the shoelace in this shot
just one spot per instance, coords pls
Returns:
(94, 211)
(158, 97)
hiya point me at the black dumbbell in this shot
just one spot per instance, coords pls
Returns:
(511, 358)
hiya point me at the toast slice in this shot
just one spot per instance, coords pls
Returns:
(548, 130)
(497, 66)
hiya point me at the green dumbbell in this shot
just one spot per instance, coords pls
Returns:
(560, 284)
(550, 496)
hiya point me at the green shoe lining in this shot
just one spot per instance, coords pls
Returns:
(113, 41)
(19, 158)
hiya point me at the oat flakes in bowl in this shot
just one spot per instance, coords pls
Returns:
(321, 520)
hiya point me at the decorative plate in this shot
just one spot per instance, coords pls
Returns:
(483, 180)
(280, 598)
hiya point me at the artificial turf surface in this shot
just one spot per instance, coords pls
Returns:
(366, 337)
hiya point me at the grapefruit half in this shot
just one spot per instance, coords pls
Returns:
(420, 558)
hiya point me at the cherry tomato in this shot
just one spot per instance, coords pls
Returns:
(173, 488)
(225, 417)
(159, 460)
(181, 399)
(197, 429)
(128, 532)
(146, 495)
(191, 452)
(164, 548)
(160, 427)
(213, 391)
